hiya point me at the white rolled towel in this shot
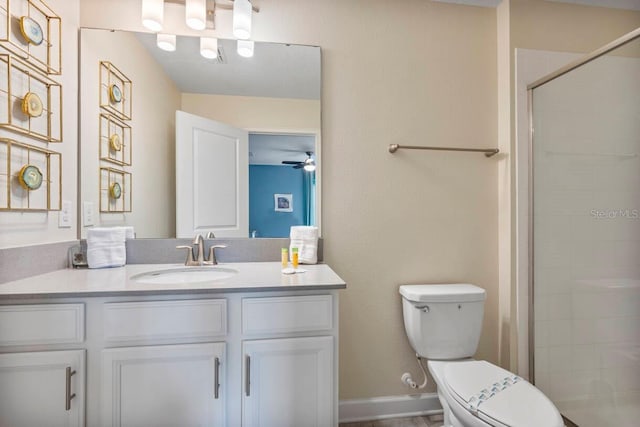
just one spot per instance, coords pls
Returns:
(106, 247)
(305, 238)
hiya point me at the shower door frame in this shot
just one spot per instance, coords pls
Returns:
(627, 38)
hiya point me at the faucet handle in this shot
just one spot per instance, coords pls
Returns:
(212, 254)
(189, 249)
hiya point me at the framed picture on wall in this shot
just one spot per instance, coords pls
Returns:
(283, 202)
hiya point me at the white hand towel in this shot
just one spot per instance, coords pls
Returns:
(107, 256)
(299, 232)
(106, 247)
(305, 238)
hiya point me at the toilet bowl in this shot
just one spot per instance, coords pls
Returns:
(443, 324)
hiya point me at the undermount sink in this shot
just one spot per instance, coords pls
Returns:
(181, 275)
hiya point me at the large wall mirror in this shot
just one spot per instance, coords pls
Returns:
(254, 185)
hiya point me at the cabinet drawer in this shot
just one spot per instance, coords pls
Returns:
(287, 314)
(41, 324)
(164, 320)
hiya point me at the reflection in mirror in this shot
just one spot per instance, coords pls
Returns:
(274, 97)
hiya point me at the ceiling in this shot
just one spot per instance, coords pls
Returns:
(269, 149)
(275, 71)
(615, 4)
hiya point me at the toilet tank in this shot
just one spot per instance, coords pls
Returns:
(443, 321)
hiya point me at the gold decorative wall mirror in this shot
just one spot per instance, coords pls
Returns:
(274, 96)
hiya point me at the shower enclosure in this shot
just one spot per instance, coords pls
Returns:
(585, 227)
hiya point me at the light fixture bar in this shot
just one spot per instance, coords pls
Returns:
(153, 14)
(166, 42)
(196, 14)
(242, 19)
(209, 47)
(245, 48)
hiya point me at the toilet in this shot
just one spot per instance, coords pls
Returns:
(443, 324)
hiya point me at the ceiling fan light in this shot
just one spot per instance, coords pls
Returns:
(209, 47)
(166, 42)
(196, 14)
(153, 14)
(245, 48)
(242, 19)
(310, 167)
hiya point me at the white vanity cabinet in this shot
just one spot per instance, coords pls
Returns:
(39, 386)
(288, 382)
(42, 388)
(261, 354)
(172, 385)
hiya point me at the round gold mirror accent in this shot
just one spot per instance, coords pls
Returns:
(30, 177)
(115, 191)
(32, 105)
(115, 94)
(115, 142)
(31, 30)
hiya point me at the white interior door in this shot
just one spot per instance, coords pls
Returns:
(212, 177)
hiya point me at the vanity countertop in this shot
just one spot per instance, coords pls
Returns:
(251, 277)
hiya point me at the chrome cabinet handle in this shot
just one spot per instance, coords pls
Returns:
(216, 385)
(247, 377)
(68, 395)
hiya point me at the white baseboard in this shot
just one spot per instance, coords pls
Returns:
(377, 408)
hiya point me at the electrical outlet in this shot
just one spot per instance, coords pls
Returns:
(64, 216)
(87, 214)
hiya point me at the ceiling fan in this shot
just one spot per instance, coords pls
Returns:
(308, 164)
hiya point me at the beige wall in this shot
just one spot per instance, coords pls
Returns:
(256, 113)
(412, 72)
(415, 73)
(28, 228)
(155, 100)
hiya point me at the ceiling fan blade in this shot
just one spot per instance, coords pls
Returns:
(291, 162)
(298, 166)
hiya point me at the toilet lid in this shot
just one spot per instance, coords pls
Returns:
(499, 397)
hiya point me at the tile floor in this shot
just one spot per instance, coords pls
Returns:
(423, 421)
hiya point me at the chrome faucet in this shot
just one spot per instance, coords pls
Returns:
(198, 258)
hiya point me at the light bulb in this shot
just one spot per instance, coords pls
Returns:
(153, 14)
(242, 19)
(310, 167)
(196, 14)
(166, 42)
(209, 47)
(245, 48)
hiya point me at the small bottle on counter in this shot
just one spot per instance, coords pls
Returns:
(285, 258)
(294, 258)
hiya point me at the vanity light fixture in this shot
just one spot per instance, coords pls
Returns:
(196, 14)
(199, 17)
(209, 47)
(245, 48)
(153, 14)
(166, 42)
(242, 19)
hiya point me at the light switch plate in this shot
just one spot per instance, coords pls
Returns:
(64, 216)
(87, 214)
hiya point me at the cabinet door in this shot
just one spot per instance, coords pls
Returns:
(43, 388)
(168, 385)
(288, 382)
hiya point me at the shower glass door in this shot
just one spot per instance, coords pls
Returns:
(586, 239)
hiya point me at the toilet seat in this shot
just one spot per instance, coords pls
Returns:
(497, 396)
